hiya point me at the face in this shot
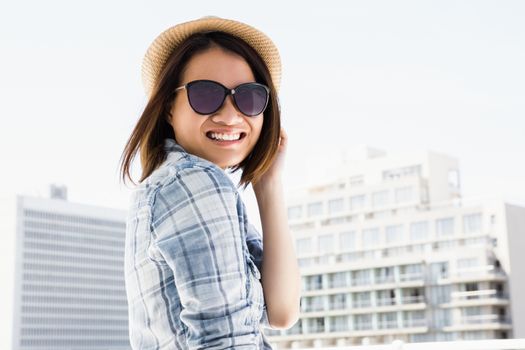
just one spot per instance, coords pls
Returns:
(192, 130)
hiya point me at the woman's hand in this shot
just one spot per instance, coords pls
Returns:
(274, 172)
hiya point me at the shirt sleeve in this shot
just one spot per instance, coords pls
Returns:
(196, 229)
(255, 245)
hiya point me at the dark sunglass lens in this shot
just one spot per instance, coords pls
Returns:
(251, 99)
(205, 97)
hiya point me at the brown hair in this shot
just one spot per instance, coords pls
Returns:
(152, 127)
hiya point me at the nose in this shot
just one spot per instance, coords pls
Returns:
(228, 114)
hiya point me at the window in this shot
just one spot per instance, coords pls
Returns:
(363, 322)
(326, 244)
(335, 205)
(362, 299)
(404, 194)
(441, 318)
(337, 279)
(472, 223)
(419, 230)
(360, 277)
(347, 241)
(412, 271)
(371, 237)
(295, 212)
(438, 270)
(316, 325)
(339, 323)
(387, 320)
(304, 246)
(357, 202)
(444, 227)
(394, 234)
(379, 199)
(439, 294)
(315, 209)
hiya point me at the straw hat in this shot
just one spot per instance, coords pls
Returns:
(161, 48)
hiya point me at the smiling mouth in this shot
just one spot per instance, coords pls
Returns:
(208, 135)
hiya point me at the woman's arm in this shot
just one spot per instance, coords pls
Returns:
(281, 279)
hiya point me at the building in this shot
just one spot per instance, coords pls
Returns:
(390, 251)
(69, 275)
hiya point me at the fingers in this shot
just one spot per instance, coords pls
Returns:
(283, 139)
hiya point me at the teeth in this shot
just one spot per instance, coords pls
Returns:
(227, 137)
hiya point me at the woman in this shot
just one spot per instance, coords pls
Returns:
(196, 273)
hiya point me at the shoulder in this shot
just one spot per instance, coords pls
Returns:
(189, 188)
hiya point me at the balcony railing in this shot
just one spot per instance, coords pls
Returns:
(421, 322)
(385, 279)
(386, 301)
(481, 319)
(312, 307)
(336, 283)
(361, 282)
(361, 303)
(478, 294)
(413, 299)
(339, 327)
(362, 326)
(315, 329)
(478, 271)
(387, 324)
(313, 286)
(410, 277)
(337, 305)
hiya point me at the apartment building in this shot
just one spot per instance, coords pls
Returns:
(69, 275)
(390, 250)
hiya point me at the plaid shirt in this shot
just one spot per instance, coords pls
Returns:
(192, 260)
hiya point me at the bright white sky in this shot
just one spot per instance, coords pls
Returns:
(446, 76)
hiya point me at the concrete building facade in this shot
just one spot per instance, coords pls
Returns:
(391, 251)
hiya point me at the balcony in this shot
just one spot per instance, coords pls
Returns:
(476, 273)
(386, 302)
(385, 279)
(313, 285)
(387, 324)
(338, 305)
(339, 327)
(363, 326)
(361, 282)
(482, 319)
(477, 297)
(412, 299)
(407, 277)
(414, 323)
(359, 304)
(312, 307)
(478, 294)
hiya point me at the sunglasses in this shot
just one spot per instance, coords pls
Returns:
(208, 96)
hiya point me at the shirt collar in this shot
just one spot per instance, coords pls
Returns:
(175, 153)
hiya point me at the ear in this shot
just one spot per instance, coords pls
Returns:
(168, 118)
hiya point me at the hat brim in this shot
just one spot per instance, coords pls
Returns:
(161, 48)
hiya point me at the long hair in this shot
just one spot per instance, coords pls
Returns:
(152, 127)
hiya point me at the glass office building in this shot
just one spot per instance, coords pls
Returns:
(69, 279)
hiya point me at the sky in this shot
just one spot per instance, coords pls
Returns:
(445, 76)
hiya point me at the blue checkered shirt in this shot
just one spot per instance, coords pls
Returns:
(192, 260)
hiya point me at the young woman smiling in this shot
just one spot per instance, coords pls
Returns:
(195, 270)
